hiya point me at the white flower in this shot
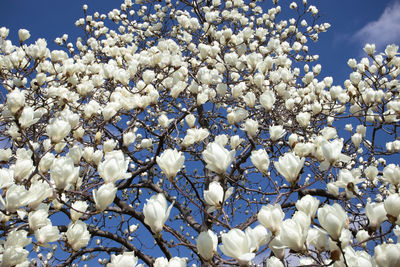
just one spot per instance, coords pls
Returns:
(156, 212)
(77, 235)
(267, 100)
(289, 166)
(38, 191)
(47, 234)
(387, 255)
(57, 130)
(317, 238)
(27, 117)
(206, 244)
(293, 235)
(194, 136)
(14, 255)
(190, 120)
(114, 167)
(260, 160)
(63, 172)
(303, 118)
(271, 216)
(257, 237)
(308, 204)
(38, 218)
(15, 100)
(77, 209)
(164, 121)
(333, 219)
(170, 162)
(391, 50)
(215, 195)
(218, 158)
(376, 214)
(276, 132)
(174, 262)
(24, 164)
(251, 127)
(129, 138)
(23, 35)
(104, 196)
(391, 174)
(5, 154)
(126, 259)
(235, 244)
(274, 262)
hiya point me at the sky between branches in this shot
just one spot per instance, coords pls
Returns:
(354, 23)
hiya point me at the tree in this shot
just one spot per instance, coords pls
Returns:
(198, 132)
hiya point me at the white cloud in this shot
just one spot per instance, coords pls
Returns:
(384, 31)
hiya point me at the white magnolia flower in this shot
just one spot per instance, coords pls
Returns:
(257, 237)
(47, 233)
(332, 152)
(77, 209)
(126, 259)
(170, 162)
(391, 174)
(235, 244)
(271, 216)
(218, 158)
(274, 262)
(276, 132)
(104, 196)
(57, 130)
(289, 166)
(27, 117)
(206, 244)
(15, 100)
(292, 235)
(174, 262)
(215, 195)
(333, 219)
(250, 127)
(317, 238)
(308, 204)
(63, 173)
(23, 35)
(114, 167)
(77, 235)
(38, 218)
(260, 160)
(156, 212)
(376, 214)
(387, 255)
(303, 118)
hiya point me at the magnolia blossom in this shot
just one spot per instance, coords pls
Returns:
(215, 195)
(303, 118)
(218, 158)
(276, 132)
(58, 129)
(391, 174)
(260, 160)
(15, 100)
(308, 204)
(387, 255)
(317, 238)
(126, 259)
(207, 244)
(257, 237)
(271, 217)
(104, 196)
(156, 212)
(77, 210)
(376, 214)
(332, 152)
(77, 235)
(170, 162)
(174, 262)
(47, 233)
(235, 244)
(114, 167)
(63, 172)
(333, 219)
(289, 166)
(293, 235)
(251, 127)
